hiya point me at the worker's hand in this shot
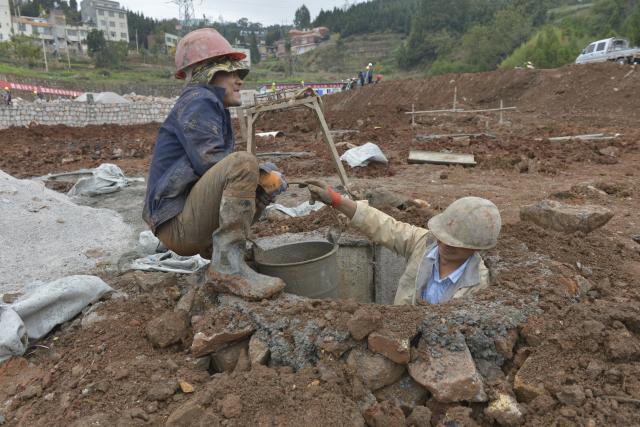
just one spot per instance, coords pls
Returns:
(319, 191)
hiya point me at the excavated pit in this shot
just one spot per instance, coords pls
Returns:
(366, 272)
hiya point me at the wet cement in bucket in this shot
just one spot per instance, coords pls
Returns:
(309, 269)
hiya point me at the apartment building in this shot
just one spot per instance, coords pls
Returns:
(54, 31)
(5, 21)
(107, 16)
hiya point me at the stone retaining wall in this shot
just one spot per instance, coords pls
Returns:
(81, 114)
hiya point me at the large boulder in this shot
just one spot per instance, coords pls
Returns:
(566, 218)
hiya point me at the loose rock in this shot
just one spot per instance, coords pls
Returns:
(384, 414)
(170, 328)
(566, 218)
(376, 371)
(452, 377)
(420, 417)
(258, 351)
(505, 411)
(204, 344)
(571, 395)
(161, 390)
(406, 392)
(363, 322)
(394, 348)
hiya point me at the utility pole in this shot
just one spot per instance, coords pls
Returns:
(44, 53)
(66, 38)
(137, 48)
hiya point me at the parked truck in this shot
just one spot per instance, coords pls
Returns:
(613, 49)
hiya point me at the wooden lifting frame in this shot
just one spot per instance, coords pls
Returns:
(288, 100)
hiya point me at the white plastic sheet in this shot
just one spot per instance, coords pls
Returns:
(106, 178)
(362, 155)
(303, 209)
(58, 301)
(13, 334)
(169, 262)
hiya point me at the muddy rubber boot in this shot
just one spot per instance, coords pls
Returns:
(228, 271)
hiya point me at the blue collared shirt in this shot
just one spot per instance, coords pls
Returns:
(436, 289)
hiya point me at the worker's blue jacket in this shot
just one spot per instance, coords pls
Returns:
(195, 136)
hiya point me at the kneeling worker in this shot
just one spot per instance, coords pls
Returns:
(442, 262)
(202, 197)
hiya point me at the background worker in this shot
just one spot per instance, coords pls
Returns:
(442, 261)
(202, 197)
(7, 95)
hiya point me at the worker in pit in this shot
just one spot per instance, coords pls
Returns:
(443, 261)
(202, 197)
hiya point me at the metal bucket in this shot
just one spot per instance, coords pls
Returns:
(309, 269)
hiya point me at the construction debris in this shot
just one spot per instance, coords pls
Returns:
(454, 136)
(432, 157)
(363, 155)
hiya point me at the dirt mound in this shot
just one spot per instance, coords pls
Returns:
(595, 91)
(38, 150)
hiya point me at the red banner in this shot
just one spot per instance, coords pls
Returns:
(40, 89)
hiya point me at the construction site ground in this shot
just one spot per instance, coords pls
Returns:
(568, 305)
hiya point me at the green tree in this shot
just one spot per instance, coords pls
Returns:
(106, 54)
(631, 27)
(302, 18)
(96, 42)
(255, 52)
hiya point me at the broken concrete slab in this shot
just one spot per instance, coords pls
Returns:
(450, 377)
(376, 371)
(435, 158)
(566, 218)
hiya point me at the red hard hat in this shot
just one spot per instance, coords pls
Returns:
(200, 45)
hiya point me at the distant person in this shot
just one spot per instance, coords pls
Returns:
(7, 96)
(273, 87)
(443, 260)
(302, 83)
(361, 78)
(202, 195)
(369, 75)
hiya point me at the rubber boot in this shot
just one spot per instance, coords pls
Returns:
(228, 270)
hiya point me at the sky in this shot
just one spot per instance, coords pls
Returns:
(267, 12)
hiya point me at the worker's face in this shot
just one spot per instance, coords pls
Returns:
(451, 254)
(231, 83)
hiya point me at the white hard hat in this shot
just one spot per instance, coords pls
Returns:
(470, 222)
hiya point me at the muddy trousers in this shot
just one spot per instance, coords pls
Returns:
(189, 233)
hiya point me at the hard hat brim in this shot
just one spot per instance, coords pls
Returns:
(436, 226)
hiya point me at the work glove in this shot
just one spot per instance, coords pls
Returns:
(320, 191)
(272, 179)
